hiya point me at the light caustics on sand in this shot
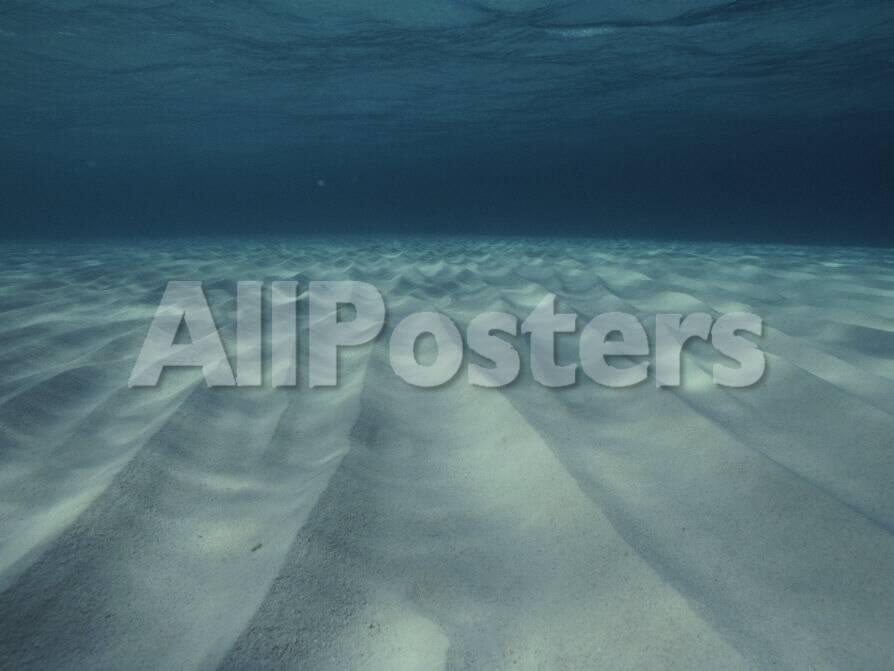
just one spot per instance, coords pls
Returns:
(375, 525)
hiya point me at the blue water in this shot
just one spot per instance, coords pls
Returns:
(749, 120)
(653, 157)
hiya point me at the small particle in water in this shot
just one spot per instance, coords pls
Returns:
(91, 164)
(257, 547)
(321, 183)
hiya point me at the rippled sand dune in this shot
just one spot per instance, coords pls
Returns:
(379, 526)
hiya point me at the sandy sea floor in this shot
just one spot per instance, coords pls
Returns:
(379, 526)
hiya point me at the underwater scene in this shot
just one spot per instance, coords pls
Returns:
(423, 335)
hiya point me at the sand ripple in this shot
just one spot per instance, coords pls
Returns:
(378, 526)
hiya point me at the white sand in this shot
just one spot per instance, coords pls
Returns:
(379, 526)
